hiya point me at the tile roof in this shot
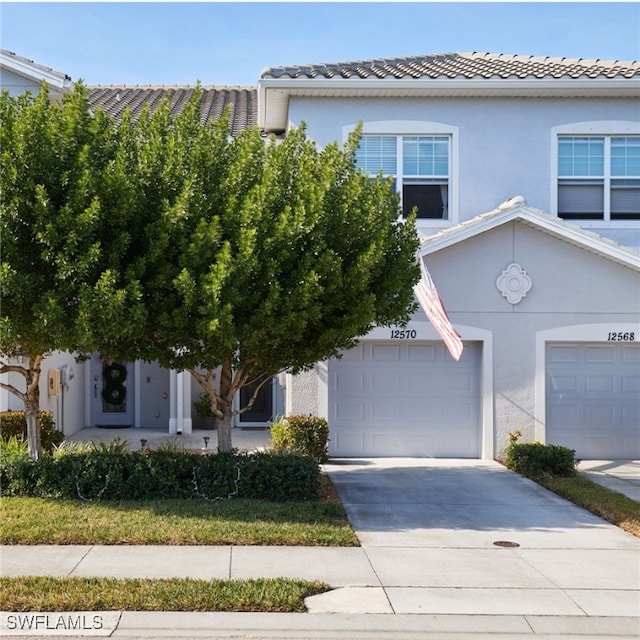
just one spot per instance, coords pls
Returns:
(242, 101)
(463, 66)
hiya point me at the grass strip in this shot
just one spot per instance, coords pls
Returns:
(605, 503)
(178, 594)
(174, 522)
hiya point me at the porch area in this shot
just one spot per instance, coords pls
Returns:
(242, 439)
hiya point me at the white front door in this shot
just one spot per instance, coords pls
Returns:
(112, 393)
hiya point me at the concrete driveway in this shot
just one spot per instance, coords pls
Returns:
(471, 537)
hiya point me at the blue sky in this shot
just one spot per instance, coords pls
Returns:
(230, 43)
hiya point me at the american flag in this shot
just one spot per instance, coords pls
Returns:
(430, 301)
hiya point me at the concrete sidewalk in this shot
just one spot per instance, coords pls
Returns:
(622, 476)
(428, 567)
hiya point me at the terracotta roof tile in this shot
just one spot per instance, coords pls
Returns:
(462, 65)
(242, 102)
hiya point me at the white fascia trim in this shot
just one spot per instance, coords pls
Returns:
(464, 84)
(574, 333)
(35, 72)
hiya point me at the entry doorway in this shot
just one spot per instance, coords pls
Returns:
(261, 413)
(112, 393)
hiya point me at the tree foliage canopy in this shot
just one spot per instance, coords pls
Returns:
(166, 240)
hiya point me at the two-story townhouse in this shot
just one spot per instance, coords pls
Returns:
(526, 176)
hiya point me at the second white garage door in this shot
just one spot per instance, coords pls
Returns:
(405, 399)
(593, 399)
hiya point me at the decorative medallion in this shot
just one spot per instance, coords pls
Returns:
(514, 283)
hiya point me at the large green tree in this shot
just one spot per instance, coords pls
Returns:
(168, 240)
(269, 257)
(66, 230)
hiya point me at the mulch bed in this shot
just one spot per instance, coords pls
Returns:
(328, 491)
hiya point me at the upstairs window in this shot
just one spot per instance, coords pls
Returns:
(419, 167)
(599, 177)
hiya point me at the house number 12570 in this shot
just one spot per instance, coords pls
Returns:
(403, 334)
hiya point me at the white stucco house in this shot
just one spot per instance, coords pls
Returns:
(526, 175)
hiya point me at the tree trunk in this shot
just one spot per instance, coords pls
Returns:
(225, 408)
(32, 408)
(224, 432)
(221, 401)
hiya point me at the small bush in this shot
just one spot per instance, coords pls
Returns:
(305, 435)
(537, 461)
(13, 424)
(106, 474)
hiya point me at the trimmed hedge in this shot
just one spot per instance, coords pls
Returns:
(13, 424)
(306, 435)
(104, 475)
(537, 461)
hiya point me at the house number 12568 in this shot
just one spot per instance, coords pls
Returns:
(403, 334)
(619, 336)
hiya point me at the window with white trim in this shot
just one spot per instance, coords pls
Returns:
(419, 166)
(599, 177)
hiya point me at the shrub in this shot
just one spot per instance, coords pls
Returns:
(13, 424)
(305, 435)
(536, 460)
(101, 474)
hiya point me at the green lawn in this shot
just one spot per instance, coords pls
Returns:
(610, 505)
(174, 522)
(179, 594)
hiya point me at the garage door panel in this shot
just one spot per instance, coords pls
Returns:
(347, 383)
(563, 383)
(349, 411)
(353, 355)
(345, 441)
(599, 414)
(388, 353)
(593, 399)
(422, 352)
(599, 355)
(414, 400)
(630, 414)
(387, 382)
(562, 354)
(599, 384)
(631, 384)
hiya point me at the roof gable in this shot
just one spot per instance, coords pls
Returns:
(516, 209)
(34, 73)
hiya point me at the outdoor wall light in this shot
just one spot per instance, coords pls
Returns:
(206, 441)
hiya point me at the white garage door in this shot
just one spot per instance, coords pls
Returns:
(593, 399)
(405, 399)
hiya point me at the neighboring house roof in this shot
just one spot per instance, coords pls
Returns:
(242, 102)
(516, 209)
(58, 82)
(444, 75)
